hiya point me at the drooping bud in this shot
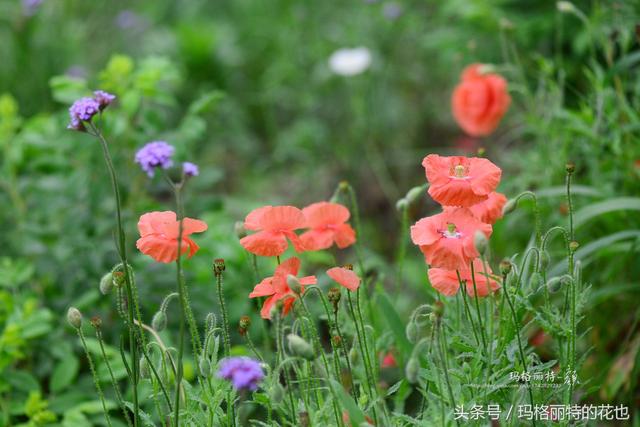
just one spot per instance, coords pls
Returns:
(243, 325)
(566, 280)
(438, 309)
(74, 317)
(299, 347)
(205, 367)
(276, 393)
(402, 204)
(218, 266)
(505, 267)
(412, 370)
(144, 368)
(553, 285)
(480, 241)
(159, 321)
(545, 259)
(106, 283)
(573, 246)
(294, 284)
(239, 229)
(510, 206)
(570, 167)
(411, 331)
(414, 194)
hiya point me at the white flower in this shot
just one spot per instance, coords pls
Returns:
(350, 62)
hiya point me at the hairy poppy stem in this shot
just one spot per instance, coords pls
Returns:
(475, 297)
(180, 367)
(442, 338)
(280, 358)
(572, 353)
(96, 381)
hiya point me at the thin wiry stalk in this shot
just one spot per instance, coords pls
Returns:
(94, 374)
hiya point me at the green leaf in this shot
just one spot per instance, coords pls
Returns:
(67, 89)
(594, 210)
(64, 373)
(395, 324)
(356, 416)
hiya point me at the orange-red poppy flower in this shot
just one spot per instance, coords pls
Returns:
(447, 239)
(159, 235)
(480, 101)
(446, 281)
(344, 277)
(460, 181)
(389, 361)
(490, 210)
(274, 225)
(328, 224)
(276, 287)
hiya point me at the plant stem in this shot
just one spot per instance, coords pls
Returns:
(475, 296)
(96, 381)
(280, 357)
(444, 356)
(179, 375)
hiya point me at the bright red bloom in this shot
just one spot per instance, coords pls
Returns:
(159, 235)
(460, 181)
(276, 287)
(446, 281)
(274, 225)
(490, 210)
(328, 224)
(344, 277)
(447, 239)
(480, 101)
(389, 361)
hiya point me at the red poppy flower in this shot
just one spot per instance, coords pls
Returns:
(447, 239)
(328, 224)
(276, 287)
(388, 361)
(480, 101)
(460, 181)
(274, 225)
(446, 281)
(159, 235)
(490, 210)
(344, 277)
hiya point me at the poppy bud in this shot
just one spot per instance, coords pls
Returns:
(239, 229)
(336, 340)
(535, 281)
(118, 278)
(205, 367)
(144, 368)
(300, 347)
(294, 284)
(353, 355)
(243, 325)
(510, 206)
(343, 186)
(480, 241)
(411, 331)
(218, 266)
(96, 322)
(74, 317)
(334, 295)
(106, 283)
(276, 393)
(505, 267)
(438, 309)
(412, 370)
(544, 260)
(566, 280)
(570, 166)
(159, 321)
(573, 246)
(414, 194)
(553, 285)
(402, 204)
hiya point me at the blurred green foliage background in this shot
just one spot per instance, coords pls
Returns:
(243, 88)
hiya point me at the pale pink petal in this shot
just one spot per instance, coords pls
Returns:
(325, 213)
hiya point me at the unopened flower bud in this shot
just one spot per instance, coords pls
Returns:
(414, 194)
(96, 322)
(480, 241)
(402, 204)
(510, 206)
(118, 278)
(438, 309)
(566, 280)
(411, 331)
(505, 267)
(159, 321)
(300, 347)
(573, 246)
(412, 370)
(218, 266)
(144, 368)
(276, 393)
(205, 367)
(294, 284)
(239, 229)
(553, 285)
(106, 283)
(334, 295)
(74, 317)
(243, 325)
(545, 259)
(336, 340)
(343, 186)
(353, 356)
(570, 167)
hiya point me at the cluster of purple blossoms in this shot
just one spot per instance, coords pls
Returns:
(153, 155)
(85, 108)
(190, 169)
(243, 372)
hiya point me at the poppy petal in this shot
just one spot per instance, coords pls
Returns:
(323, 213)
(263, 288)
(317, 240)
(344, 277)
(265, 243)
(345, 236)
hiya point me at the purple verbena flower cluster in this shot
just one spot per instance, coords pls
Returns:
(85, 108)
(155, 154)
(190, 169)
(243, 372)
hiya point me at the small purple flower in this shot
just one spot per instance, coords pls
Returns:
(155, 154)
(243, 372)
(190, 169)
(81, 111)
(392, 11)
(30, 7)
(104, 98)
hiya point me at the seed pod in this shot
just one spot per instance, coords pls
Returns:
(96, 322)
(480, 242)
(333, 295)
(570, 166)
(300, 347)
(74, 317)
(218, 266)
(243, 325)
(412, 370)
(505, 267)
(106, 283)
(337, 341)
(159, 321)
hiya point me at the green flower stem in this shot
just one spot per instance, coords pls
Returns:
(231, 419)
(520, 347)
(280, 357)
(96, 381)
(572, 353)
(122, 252)
(475, 295)
(442, 339)
(536, 213)
(180, 278)
(463, 291)
(402, 244)
(490, 340)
